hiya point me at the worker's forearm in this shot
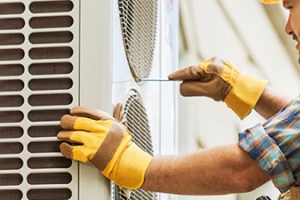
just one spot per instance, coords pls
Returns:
(270, 102)
(221, 170)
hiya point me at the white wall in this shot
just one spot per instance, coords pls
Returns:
(242, 32)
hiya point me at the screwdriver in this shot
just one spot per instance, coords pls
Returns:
(154, 79)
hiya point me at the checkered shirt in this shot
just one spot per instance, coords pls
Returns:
(275, 145)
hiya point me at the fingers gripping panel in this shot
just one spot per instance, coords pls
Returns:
(138, 126)
(38, 66)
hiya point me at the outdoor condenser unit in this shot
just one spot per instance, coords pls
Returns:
(56, 54)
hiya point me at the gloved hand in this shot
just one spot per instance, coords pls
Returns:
(106, 143)
(119, 114)
(221, 81)
(270, 1)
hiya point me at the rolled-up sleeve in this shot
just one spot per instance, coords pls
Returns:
(275, 145)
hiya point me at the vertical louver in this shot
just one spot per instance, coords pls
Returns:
(38, 84)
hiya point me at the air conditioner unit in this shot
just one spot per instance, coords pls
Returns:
(55, 54)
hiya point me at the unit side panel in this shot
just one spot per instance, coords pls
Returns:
(95, 82)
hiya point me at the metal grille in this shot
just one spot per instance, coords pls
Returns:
(38, 47)
(138, 23)
(138, 126)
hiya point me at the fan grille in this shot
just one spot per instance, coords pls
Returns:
(138, 23)
(138, 126)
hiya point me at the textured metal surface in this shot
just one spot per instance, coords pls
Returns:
(138, 126)
(138, 20)
(36, 49)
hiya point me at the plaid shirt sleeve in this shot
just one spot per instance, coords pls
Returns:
(275, 145)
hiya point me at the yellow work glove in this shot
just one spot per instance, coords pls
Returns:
(221, 81)
(94, 136)
(270, 1)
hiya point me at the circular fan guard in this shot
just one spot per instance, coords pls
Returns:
(138, 126)
(138, 20)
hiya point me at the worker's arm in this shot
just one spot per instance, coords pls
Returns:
(270, 102)
(220, 170)
(263, 151)
(106, 143)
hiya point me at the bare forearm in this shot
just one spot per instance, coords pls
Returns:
(221, 170)
(270, 102)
